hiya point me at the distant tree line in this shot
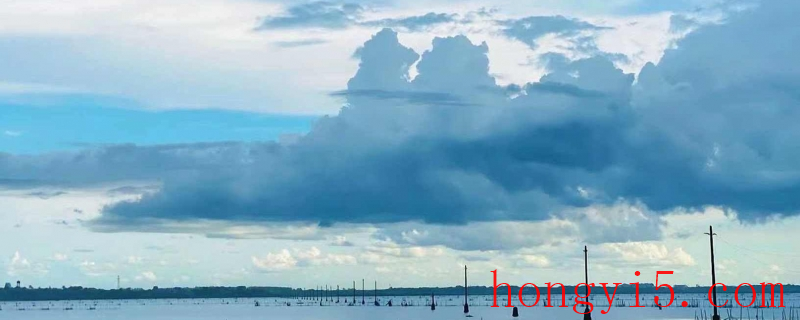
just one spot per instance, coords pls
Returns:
(81, 293)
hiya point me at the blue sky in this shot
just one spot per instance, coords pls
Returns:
(73, 122)
(381, 139)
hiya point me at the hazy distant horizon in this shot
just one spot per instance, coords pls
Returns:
(295, 144)
(645, 287)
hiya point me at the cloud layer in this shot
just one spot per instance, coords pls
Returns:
(334, 15)
(710, 124)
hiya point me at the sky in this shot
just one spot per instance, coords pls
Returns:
(287, 143)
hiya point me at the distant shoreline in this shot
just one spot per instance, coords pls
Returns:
(81, 293)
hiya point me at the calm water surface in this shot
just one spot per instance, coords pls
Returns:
(448, 307)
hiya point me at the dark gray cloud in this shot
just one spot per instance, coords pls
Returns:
(131, 190)
(415, 23)
(339, 15)
(411, 97)
(105, 164)
(388, 161)
(530, 29)
(18, 183)
(299, 43)
(580, 36)
(725, 112)
(320, 14)
(46, 194)
(714, 123)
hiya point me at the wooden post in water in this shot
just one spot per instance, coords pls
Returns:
(363, 293)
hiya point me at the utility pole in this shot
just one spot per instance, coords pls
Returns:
(118, 282)
(466, 293)
(586, 264)
(375, 299)
(711, 235)
(588, 315)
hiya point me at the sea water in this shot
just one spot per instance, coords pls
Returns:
(448, 307)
